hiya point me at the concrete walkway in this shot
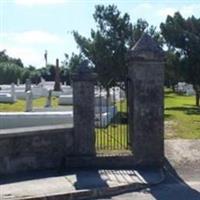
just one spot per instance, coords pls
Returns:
(73, 185)
(182, 172)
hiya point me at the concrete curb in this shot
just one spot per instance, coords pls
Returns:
(93, 193)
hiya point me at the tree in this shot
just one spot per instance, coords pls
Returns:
(184, 36)
(12, 69)
(35, 76)
(48, 73)
(108, 46)
(9, 72)
(173, 69)
(5, 58)
(74, 61)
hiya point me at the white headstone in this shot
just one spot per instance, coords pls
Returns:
(29, 101)
(13, 92)
(18, 81)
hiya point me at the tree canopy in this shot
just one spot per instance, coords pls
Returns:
(108, 45)
(184, 36)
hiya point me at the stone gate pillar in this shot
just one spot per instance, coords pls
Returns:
(83, 106)
(146, 74)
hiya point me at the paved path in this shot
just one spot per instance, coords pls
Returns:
(53, 183)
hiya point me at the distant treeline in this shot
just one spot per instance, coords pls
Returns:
(13, 70)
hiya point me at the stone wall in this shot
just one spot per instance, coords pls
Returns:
(29, 119)
(35, 148)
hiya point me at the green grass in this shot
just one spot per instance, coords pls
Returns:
(182, 117)
(19, 106)
(114, 137)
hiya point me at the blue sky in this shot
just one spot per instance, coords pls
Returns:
(29, 27)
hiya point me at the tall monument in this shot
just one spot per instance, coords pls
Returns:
(57, 86)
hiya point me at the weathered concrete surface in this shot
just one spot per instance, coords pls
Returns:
(182, 152)
(11, 120)
(83, 100)
(147, 106)
(74, 185)
(146, 99)
(34, 148)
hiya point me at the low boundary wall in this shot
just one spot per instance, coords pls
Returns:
(29, 119)
(35, 148)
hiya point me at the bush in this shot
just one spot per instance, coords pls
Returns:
(9, 73)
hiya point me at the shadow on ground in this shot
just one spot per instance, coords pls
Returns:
(168, 116)
(89, 180)
(173, 187)
(187, 110)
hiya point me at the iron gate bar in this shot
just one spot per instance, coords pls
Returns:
(112, 130)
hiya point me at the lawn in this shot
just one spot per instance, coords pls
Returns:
(19, 106)
(182, 117)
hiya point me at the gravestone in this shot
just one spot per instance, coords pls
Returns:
(28, 85)
(13, 92)
(65, 99)
(29, 101)
(18, 82)
(48, 100)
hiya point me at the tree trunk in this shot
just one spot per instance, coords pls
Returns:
(173, 87)
(197, 94)
(197, 98)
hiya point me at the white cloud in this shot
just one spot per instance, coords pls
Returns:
(29, 45)
(185, 11)
(145, 6)
(142, 8)
(33, 37)
(166, 11)
(26, 54)
(189, 10)
(39, 2)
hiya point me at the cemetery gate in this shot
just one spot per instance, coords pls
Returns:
(111, 116)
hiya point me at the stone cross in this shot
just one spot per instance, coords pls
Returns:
(48, 100)
(28, 85)
(29, 101)
(57, 86)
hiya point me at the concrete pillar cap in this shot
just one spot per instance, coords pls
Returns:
(84, 72)
(146, 49)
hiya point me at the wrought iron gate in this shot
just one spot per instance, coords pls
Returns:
(111, 117)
